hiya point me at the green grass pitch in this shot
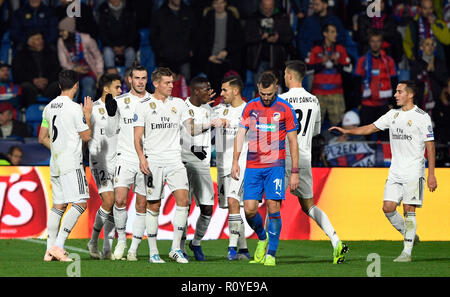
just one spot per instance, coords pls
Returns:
(295, 258)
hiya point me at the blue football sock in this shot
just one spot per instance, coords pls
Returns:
(256, 223)
(274, 232)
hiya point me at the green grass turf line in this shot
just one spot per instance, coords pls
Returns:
(294, 258)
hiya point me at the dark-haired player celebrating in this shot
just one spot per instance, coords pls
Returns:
(102, 161)
(307, 110)
(410, 133)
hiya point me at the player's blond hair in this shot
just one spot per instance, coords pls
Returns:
(159, 72)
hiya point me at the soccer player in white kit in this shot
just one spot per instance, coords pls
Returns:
(196, 155)
(121, 113)
(102, 161)
(65, 125)
(307, 110)
(230, 190)
(410, 132)
(159, 119)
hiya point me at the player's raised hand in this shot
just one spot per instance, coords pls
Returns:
(87, 106)
(432, 183)
(111, 105)
(235, 171)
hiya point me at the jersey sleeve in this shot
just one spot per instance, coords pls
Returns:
(139, 115)
(184, 109)
(80, 120)
(291, 119)
(426, 129)
(245, 117)
(384, 121)
(318, 122)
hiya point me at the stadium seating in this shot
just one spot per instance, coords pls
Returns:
(33, 117)
(145, 54)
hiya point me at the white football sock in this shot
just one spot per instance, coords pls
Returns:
(179, 224)
(138, 231)
(151, 224)
(200, 229)
(100, 217)
(242, 241)
(410, 232)
(397, 221)
(120, 219)
(324, 223)
(234, 226)
(109, 232)
(183, 238)
(54, 220)
(67, 224)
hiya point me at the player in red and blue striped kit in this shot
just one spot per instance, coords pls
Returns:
(267, 120)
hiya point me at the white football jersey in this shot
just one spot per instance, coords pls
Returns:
(102, 149)
(126, 106)
(225, 138)
(162, 122)
(307, 110)
(202, 114)
(408, 132)
(65, 120)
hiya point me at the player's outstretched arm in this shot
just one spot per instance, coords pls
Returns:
(363, 130)
(431, 156)
(143, 165)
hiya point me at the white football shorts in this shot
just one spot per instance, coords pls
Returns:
(175, 176)
(200, 184)
(227, 186)
(127, 174)
(70, 187)
(411, 192)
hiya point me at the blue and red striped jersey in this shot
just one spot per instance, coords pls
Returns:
(266, 130)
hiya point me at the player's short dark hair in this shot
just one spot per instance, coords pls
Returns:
(234, 81)
(267, 78)
(67, 79)
(410, 85)
(197, 81)
(326, 26)
(136, 67)
(374, 32)
(298, 67)
(160, 72)
(107, 79)
(13, 148)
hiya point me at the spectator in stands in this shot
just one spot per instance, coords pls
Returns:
(425, 25)
(118, 33)
(375, 80)
(36, 69)
(9, 126)
(430, 74)
(84, 24)
(220, 39)
(9, 92)
(392, 40)
(172, 37)
(5, 17)
(441, 114)
(268, 34)
(15, 154)
(33, 16)
(310, 31)
(79, 52)
(329, 60)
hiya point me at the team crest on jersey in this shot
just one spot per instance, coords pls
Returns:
(225, 112)
(409, 123)
(101, 110)
(152, 105)
(127, 100)
(104, 183)
(191, 112)
(276, 116)
(174, 110)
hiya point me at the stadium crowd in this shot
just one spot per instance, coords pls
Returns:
(356, 51)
